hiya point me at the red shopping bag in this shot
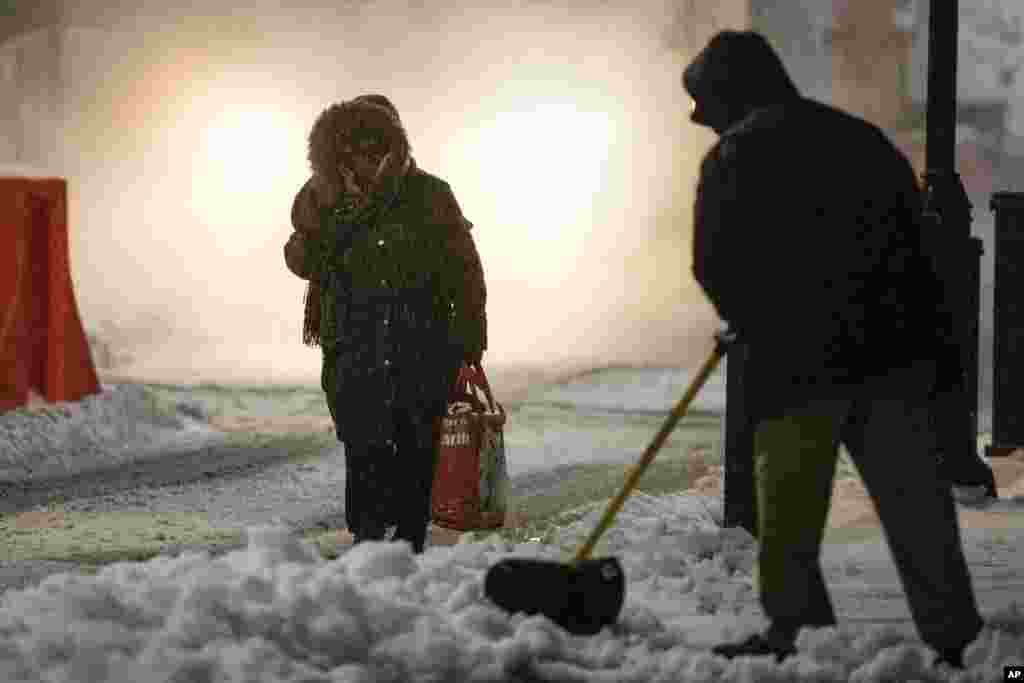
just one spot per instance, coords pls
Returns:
(471, 480)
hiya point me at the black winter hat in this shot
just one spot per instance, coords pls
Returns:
(740, 70)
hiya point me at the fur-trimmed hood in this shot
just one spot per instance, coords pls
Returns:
(367, 116)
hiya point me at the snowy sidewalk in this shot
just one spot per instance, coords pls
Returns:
(866, 588)
(859, 570)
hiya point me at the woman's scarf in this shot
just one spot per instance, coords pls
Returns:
(311, 319)
(339, 226)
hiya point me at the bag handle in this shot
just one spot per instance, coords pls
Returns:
(473, 375)
(463, 395)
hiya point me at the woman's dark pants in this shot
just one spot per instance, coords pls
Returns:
(390, 485)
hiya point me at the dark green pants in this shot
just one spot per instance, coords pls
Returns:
(884, 425)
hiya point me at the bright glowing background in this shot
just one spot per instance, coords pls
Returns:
(550, 167)
(562, 132)
(235, 164)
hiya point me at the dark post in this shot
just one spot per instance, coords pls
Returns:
(1008, 385)
(948, 210)
(738, 446)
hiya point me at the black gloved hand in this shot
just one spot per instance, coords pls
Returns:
(726, 337)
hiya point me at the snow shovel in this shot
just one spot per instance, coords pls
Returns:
(587, 594)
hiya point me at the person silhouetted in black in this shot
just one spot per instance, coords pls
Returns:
(808, 241)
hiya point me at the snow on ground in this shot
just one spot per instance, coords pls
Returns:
(122, 424)
(630, 389)
(275, 611)
(607, 415)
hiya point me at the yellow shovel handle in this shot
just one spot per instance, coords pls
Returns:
(647, 458)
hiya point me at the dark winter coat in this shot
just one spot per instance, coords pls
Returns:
(808, 236)
(407, 300)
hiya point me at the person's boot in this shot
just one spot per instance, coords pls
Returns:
(370, 530)
(773, 641)
(952, 658)
(972, 482)
(415, 534)
(977, 490)
(952, 655)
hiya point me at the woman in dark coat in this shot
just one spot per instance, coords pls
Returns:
(396, 301)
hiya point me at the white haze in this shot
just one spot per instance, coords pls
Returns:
(562, 129)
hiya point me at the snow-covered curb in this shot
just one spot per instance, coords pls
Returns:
(122, 424)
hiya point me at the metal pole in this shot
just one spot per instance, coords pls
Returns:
(948, 210)
(1008, 313)
(940, 153)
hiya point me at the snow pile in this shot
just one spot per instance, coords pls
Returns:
(673, 547)
(275, 611)
(121, 424)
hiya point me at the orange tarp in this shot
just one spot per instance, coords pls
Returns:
(42, 343)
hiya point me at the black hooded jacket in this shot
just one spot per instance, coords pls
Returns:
(807, 233)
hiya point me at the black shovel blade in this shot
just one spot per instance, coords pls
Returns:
(582, 598)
